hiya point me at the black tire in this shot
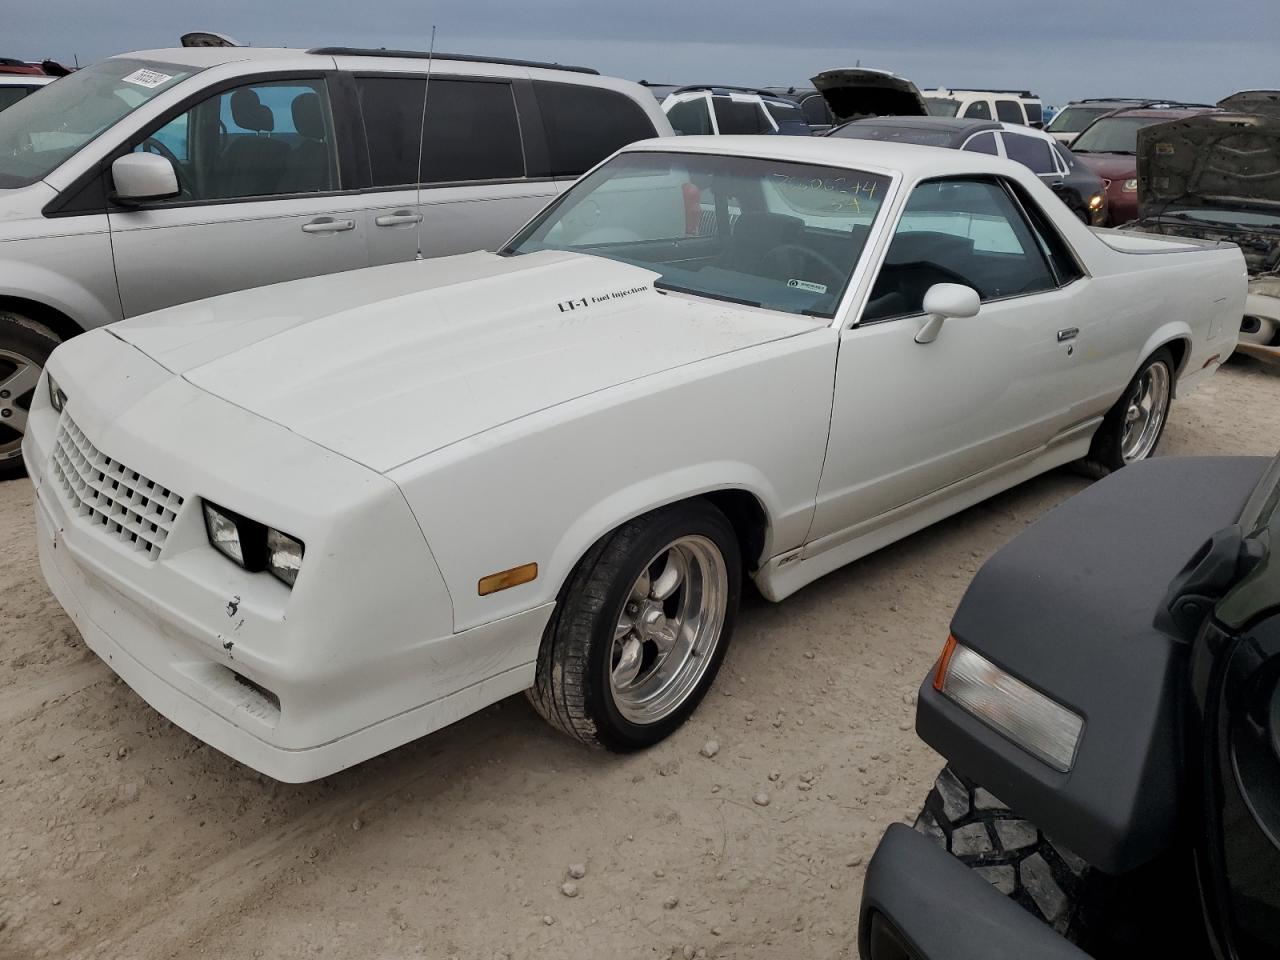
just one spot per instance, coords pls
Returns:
(1106, 454)
(1153, 911)
(572, 690)
(30, 342)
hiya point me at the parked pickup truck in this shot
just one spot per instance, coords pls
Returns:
(313, 521)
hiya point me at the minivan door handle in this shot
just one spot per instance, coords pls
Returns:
(328, 225)
(397, 218)
(1070, 333)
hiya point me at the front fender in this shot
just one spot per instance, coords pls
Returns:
(72, 273)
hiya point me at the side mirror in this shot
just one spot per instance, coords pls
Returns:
(947, 301)
(143, 176)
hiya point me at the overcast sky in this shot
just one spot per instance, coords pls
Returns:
(1197, 50)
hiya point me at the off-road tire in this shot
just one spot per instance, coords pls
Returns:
(571, 689)
(33, 341)
(1152, 911)
(1105, 453)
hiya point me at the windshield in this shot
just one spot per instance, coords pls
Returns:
(1113, 135)
(1075, 119)
(941, 107)
(38, 133)
(768, 233)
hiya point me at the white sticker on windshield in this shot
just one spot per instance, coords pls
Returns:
(147, 78)
(807, 285)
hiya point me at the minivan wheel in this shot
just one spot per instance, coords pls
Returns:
(1132, 428)
(25, 346)
(641, 628)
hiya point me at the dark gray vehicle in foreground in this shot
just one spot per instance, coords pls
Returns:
(1108, 703)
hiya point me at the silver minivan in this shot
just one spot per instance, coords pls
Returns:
(160, 177)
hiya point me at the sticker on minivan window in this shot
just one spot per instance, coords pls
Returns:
(147, 78)
(808, 285)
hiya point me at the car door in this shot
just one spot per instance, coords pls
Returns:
(910, 419)
(477, 187)
(261, 198)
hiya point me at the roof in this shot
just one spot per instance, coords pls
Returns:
(204, 57)
(1160, 113)
(956, 125)
(874, 156)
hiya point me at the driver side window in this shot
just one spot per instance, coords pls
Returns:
(968, 232)
(258, 140)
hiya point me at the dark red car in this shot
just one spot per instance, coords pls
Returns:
(1109, 147)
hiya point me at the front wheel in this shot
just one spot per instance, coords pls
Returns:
(641, 628)
(1132, 428)
(24, 348)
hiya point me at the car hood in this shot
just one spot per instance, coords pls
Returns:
(387, 364)
(1217, 159)
(1109, 166)
(1265, 102)
(858, 92)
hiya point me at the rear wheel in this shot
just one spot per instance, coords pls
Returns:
(641, 628)
(1132, 428)
(25, 346)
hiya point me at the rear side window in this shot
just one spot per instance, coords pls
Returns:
(978, 110)
(815, 111)
(1010, 111)
(471, 131)
(691, 117)
(1030, 152)
(1035, 112)
(586, 124)
(784, 112)
(983, 143)
(739, 116)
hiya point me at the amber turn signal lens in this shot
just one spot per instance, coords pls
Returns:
(940, 674)
(508, 578)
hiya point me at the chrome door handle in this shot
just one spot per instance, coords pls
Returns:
(328, 225)
(1069, 333)
(397, 218)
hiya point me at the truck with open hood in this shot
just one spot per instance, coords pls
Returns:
(1217, 177)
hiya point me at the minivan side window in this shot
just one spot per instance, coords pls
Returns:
(690, 117)
(969, 232)
(1009, 111)
(259, 140)
(471, 132)
(978, 110)
(585, 124)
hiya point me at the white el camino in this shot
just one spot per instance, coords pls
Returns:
(313, 521)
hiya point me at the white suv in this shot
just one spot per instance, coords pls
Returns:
(156, 178)
(1007, 106)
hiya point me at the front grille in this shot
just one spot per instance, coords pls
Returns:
(115, 500)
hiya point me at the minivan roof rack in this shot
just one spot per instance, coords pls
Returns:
(1015, 93)
(464, 57)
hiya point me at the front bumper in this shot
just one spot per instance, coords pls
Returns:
(358, 658)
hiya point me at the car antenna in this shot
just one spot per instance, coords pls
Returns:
(422, 133)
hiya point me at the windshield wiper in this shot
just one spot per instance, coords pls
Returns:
(1186, 217)
(673, 288)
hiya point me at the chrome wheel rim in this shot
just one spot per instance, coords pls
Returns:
(1145, 410)
(668, 631)
(18, 378)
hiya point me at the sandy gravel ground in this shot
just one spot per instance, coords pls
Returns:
(122, 837)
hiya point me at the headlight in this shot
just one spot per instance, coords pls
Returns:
(1040, 726)
(57, 399)
(253, 545)
(1130, 186)
(1096, 201)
